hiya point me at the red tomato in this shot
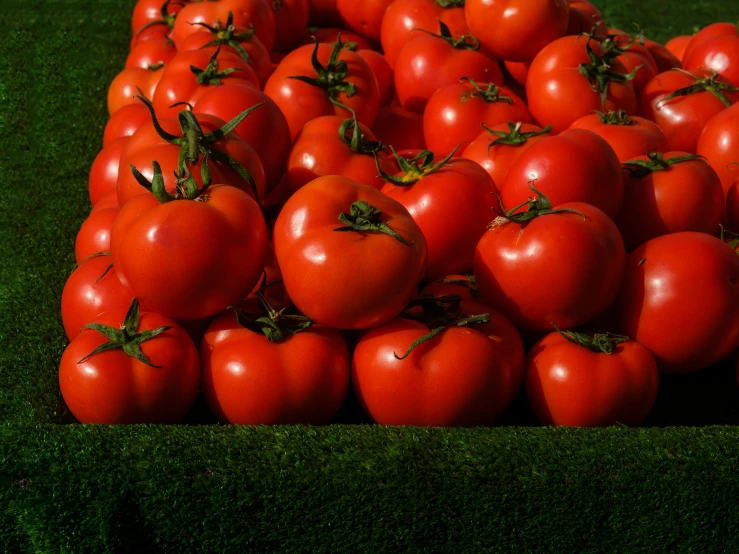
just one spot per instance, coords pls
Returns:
(678, 45)
(575, 166)
(516, 30)
(348, 280)
(148, 12)
(155, 31)
(364, 18)
(535, 271)
(151, 53)
(337, 74)
(634, 56)
(429, 62)
(127, 84)
(291, 22)
(94, 235)
(668, 194)
(109, 200)
(460, 285)
(680, 300)
(628, 136)
(104, 171)
(681, 103)
(216, 267)
(426, 387)
(330, 145)
(115, 387)
(664, 59)
(452, 202)
(249, 379)
(125, 122)
(455, 113)
(407, 19)
(585, 18)
(383, 73)
(399, 128)
(732, 205)
(705, 35)
(581, 381)
(330, 35)
(719, 144)
(559, 92)
(519, 71)
(323, 13)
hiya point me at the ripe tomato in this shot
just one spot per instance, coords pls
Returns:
(714, 47)
(455, 113)
(535, 270)
(330, 145)
(664, 59)
(681, 103)
(572, 77)
(294, 377)
(666, 194)
(586, 19)
(155, 380)
(628, 136)
(496, 148)
(127, 84)
(312, 80)
(452, 202)
(460, 285)
(574, 166)
(732, 205)
(680, 300)
(148, 12)
(151, 53)
(383, 73)
(109, 200)
(719, 144)
(516, 30)
(125, 122)
(634, 56)
(581, 381)
(104, 171)
(331, 35)
(430, 62)
(518, 71)
(291, 22)
(678, 44)
(407, 19)
(94, 235)
(348, 280)
(364, 18)
(399, 128)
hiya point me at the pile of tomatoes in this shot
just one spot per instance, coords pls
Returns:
(430, 204)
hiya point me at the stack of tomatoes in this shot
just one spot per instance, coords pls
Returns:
(435, 204)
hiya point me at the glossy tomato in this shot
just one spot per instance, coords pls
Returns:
(94, 235)
(586, 19)
(149, 12)
(399, 128)
(364, 18)
(125, 122)
(634, 56)
(664, 59)
(151, 53)
(383, 73)
(104, 171)
(719, 144)
(331, 35)
(678, 44)
(712, 45)
(291, 22)
(131, 82)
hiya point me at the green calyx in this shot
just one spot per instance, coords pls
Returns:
(363, 218)
(490, 94)
(602, 343)
(273, 324)
(619, 117)
(536, 207)
(702, 84)
(450, 3)
(227, 35)
(732, 239)
(351, 134)
(167, 18)
(186, 187)
(514, 136)
(127, 338)
(641, 168)
(438, 313)
(330, 78)
(469, 282)
(599, 72)
(414, 169)
(465, 42)
(210, 75)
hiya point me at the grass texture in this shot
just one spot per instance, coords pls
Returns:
(343, 488)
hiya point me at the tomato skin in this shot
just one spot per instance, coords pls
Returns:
(319, 150)
(151, 53)
(568, 384)
(534, 275)
(685, 197)
(426, 388)
(719, 144)
(584, 19)
(635, 58)
(248, 380)
(291, 23)
(147, 11)
(516, 30)
(300, 102)
(497, 159)
(682, 118)
(109, 200)
(678, 44)
(160, 31)
(114, 388)
(346, 280)
(104, 171)
(383, 73)
(399, 128)
(364, 18)
(732, 205)
(94, 235)
(663, 57)
(628, 140)
(323, 13)
(519, 71)
(329, 35)
(125, 87)
(707, 34)
(125, 122)
(216, 267)
(685, 327)
(427, 63)
(404, 18)
(574, 166)
(558, 94)
(453, 207)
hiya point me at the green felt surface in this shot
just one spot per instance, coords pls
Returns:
(344, 488)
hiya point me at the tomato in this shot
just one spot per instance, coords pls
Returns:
(271, 285)
(496, 148)
(664, 59)
(706, 35)
(516, 30)
(559, 92)
(291, 22)
(127, 84)
(266, 129)
(330, 35)
(94, 235)
(680, 300)
(250, 379)
(125, 122)
(426, 387)
(104, 171)
(681, 103)
(332, 73)
(156, 380)
(535, 270)
(399, 128)
(323, 13)
(182, 83)
(634, 56)
(575, 166)
(355, 279)
(678, 44)
(732, 205)
(155, 31)
(214, 243)
(719, 144)
(364, 18)
(109, 200)
(455, 113)
(518, 71)
(577, 380)
(151, 53)
(407, 19)
(330, 145)
(148, 12)
(628, 136)
(383, 73)
(460, 285)
(667, 194)
(585, 18)
(452, 202)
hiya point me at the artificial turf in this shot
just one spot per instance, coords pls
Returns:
(343, 488)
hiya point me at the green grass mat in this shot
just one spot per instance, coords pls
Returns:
(349, 488)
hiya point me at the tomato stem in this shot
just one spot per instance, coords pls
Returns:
(706, 84)
(599, 72)
(656, 162)
(226, 34)
(620, 117)
(330, 78)
(416, 168)
(364, 217)
(490, 94)
(605, 343)
(464, 42)
(514, 136)
(275, 325)
(538, 206)
(358, 143)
